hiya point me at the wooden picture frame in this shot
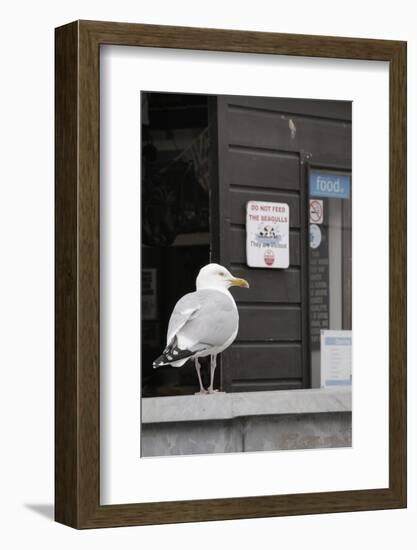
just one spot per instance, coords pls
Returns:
(77, 382)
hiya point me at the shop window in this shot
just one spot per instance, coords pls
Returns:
(330, 262)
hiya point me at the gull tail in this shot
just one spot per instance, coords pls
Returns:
(173, 355)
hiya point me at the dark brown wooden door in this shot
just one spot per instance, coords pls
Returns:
(260, 150)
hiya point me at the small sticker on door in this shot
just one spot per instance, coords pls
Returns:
(316, 211)
(315, 236)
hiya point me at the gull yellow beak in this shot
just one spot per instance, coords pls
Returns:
(239, 282)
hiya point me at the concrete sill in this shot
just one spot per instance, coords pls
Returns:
(224, 406)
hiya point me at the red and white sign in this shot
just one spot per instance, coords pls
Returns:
(316, 211)
(269, 257)
(267, 234)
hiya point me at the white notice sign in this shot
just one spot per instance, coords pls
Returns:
(336, 358)
(267, 234)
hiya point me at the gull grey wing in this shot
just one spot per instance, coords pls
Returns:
(184, 310)
(212, 324)
(201, 321)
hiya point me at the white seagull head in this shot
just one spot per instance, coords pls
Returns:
(217, 277)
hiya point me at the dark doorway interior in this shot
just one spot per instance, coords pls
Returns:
(175, 224)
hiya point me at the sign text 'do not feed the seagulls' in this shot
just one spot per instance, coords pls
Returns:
(267, 234)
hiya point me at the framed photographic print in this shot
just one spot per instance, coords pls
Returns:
(230, 274)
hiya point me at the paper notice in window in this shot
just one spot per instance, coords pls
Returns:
(336, 358)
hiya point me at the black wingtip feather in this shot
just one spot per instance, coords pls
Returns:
(171, 354)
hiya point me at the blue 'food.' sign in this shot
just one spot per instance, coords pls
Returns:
(325, 184)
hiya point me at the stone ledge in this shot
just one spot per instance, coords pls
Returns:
(224, 406)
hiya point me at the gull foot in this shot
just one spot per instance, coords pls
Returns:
(201, 392)
(212, 391)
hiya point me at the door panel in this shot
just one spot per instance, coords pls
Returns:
(260, 150)
(252, 167)
(255, 162)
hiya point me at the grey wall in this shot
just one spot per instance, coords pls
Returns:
(259, 433)
(246, 422)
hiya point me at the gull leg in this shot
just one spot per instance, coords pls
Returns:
(212, 369)
(197, 368)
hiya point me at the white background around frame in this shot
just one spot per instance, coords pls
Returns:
(125, 477)
(27, 276)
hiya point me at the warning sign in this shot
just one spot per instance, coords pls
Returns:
(267, 234)
(316, 211)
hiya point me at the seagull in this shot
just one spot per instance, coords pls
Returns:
(204, 322)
